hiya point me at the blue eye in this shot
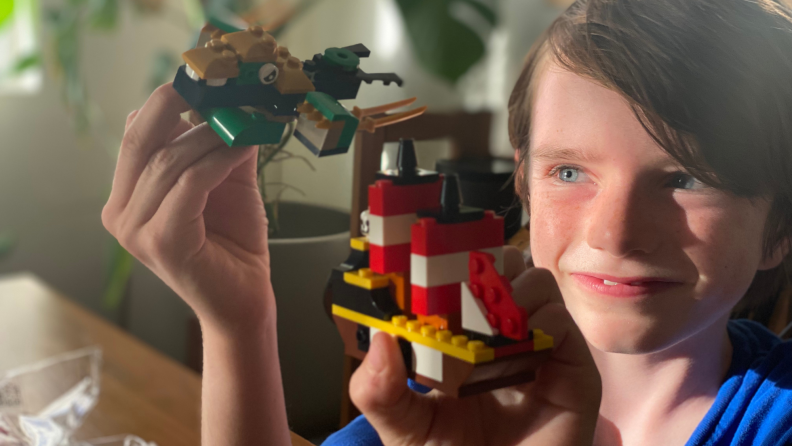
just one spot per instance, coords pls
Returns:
(568, 174)
(685, 181)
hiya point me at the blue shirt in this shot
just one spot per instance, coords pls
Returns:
(753, 406)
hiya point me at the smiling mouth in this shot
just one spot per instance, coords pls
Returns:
(624, 287)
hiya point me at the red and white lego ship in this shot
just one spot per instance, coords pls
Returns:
(430, 272)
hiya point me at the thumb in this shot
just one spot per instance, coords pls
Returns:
(379, 389)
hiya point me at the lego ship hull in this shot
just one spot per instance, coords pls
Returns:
(451, 375)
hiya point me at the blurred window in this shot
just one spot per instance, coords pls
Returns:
(20, 65)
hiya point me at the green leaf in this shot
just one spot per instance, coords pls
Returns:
(121, 267)
(448, 36)
(27, 62)
(195, 13)
(7, 244)
(6, 11)
(103, 14)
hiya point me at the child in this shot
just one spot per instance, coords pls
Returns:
(656, 138)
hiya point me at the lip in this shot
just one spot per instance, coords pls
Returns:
(626, 286)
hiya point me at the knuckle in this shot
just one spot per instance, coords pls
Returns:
(162, 162)
(132, 139)
(108, 218)
(357, 391)
(154, 243)
(190, 178)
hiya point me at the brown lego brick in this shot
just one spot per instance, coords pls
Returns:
(214, 61)
(461, 378)
(252, 45)
(292, 79)
(348, 331)
(208, 32)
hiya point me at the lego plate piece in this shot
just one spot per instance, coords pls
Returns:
(413, 331)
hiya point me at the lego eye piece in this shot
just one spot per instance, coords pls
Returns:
(268, 73)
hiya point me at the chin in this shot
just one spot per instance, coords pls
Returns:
(630, 335)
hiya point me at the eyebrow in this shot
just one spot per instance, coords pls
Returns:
(559, 153)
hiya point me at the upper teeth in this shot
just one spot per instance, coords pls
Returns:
(608, 282)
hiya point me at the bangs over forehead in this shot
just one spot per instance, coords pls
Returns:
(709, 80)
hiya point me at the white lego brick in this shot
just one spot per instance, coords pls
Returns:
(372, 332)
(439, 270)
(216, 82)
(428, 362)
(393, 230)
(474, 314)
(322, 139)
(308, 129)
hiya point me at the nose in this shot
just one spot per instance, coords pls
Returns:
(622, 222)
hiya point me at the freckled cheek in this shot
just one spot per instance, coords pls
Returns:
(726, 248)
(556, 222)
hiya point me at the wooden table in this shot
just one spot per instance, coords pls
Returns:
(142, 392)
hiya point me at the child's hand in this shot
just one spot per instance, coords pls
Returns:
(559, 408)
(188, 207)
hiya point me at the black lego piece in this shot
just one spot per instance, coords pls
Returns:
(340, 84)
(386, 78)
(359, 50)
(356, 260)
(494, 341)
(363, 336)
(377, 303)
(407, 353)
(452, 211)
(487, 183)
(407, 171)
(201, 96)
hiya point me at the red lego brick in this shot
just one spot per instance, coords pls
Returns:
(442, 299)
(387, 199)
(389, 259)
(495, 291)
(430, 238)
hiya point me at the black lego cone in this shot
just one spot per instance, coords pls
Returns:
(406, 162)
(450, 198)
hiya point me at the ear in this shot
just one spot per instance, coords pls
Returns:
(779, 253)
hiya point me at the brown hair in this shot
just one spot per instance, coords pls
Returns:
(709, 80)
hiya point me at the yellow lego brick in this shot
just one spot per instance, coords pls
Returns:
(366, 278)
(359, 243)
(474, 352)
(541, 340)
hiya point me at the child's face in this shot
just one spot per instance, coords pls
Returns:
(608, 205)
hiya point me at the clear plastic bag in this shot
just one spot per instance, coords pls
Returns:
(42, 404)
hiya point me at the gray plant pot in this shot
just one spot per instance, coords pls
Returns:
(312, 241)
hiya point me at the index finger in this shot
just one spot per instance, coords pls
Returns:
(149, 130)
(535, 288)
(513, 262)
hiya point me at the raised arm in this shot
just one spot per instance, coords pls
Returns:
(188, 207)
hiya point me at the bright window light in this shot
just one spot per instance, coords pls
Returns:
(20, 67)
